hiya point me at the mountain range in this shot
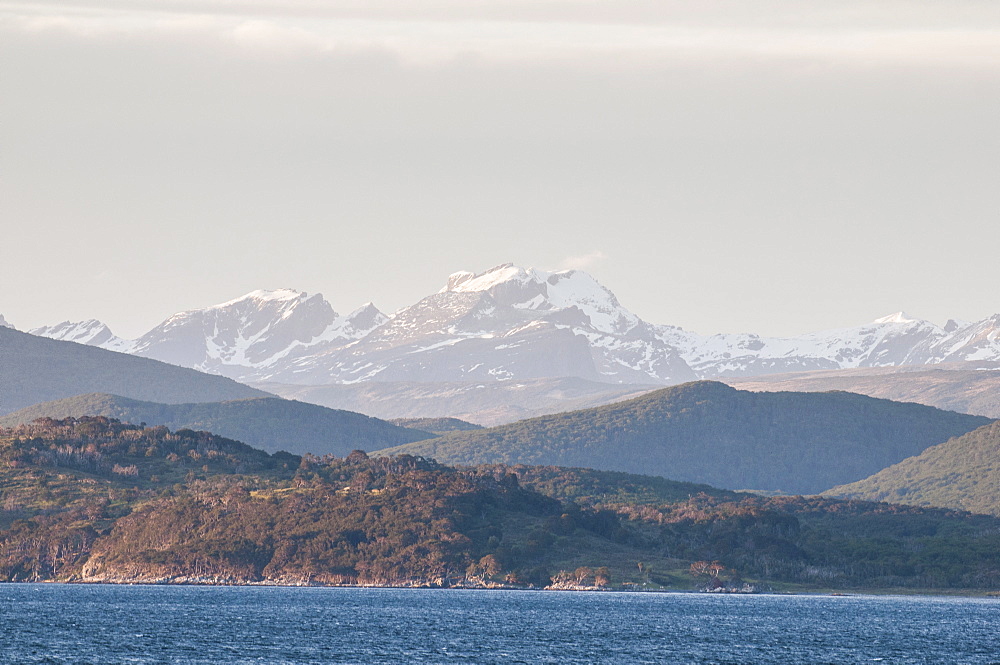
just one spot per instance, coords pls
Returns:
(502, 327)
(967, 387)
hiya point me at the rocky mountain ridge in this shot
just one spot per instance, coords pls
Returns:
(511, 324)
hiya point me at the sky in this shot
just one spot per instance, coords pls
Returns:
(774, 167)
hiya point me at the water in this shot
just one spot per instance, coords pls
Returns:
(43, 623)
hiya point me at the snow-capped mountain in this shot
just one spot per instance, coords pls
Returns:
(506, 323)
(510, 324)
(91, 332)
(4, 323)
(239, 338)
(896, 339)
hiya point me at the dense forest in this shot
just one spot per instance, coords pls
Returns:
(707, 432)
(961, 473)
(590, 487)
(93, 499)
(827, 543)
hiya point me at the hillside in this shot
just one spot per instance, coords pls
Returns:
(35, 369)
(961, 473)
(968, 387)
(96, 500)
(707, 432)
(268, 423)
(590, 487)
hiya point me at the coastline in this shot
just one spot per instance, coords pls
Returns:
(189, 581)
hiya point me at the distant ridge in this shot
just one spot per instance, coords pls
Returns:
(436, 425)
(35, 369)
(707, 432)
(268, 423)
(966, 387)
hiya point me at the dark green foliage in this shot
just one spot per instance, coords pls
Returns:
(589, 487)
(269, 423)
(828, 543)
(35, 369)
(436, 425)
(962, 473)
(706, 432)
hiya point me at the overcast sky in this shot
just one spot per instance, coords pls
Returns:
(776, 167)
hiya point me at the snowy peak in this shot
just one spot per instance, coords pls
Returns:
(457, 279)
(253, 330)
(5, 324)
(264, 296)
(366, 318)
(507, 273)
(355, 325)
(898, 317)
(575, 288)
(91, 332)
(538, 290)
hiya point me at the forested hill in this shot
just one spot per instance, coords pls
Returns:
(93, 499)
(590, 487)
(269, 423)
(707, 432)
(962, 473)
(35, 369)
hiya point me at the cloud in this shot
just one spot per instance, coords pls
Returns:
(564, 30)
(583, 261)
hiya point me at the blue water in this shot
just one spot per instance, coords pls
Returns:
(47, 623)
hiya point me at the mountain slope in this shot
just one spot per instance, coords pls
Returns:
(35, 369)
(268, 423)
(707, 432)
(961, 473)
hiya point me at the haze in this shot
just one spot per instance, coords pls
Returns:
(772, 167)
